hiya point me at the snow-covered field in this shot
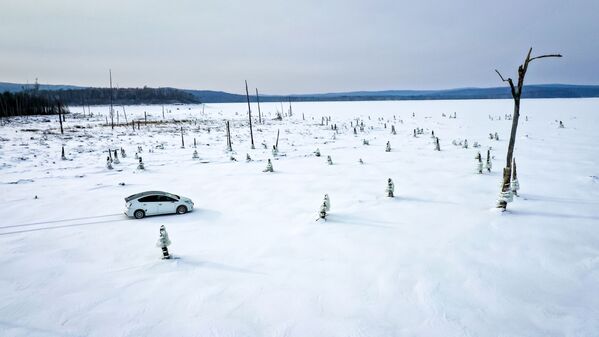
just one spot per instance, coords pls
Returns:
(436, 260)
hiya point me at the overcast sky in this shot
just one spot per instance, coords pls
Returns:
(300, 46)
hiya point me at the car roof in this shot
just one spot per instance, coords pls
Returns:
(143, 194)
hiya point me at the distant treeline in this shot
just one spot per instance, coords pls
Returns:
(30, 103)
(123, 96)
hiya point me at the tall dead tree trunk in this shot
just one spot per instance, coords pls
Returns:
(259, 113)
(60, 120)
(516, 91)
(229, 144)
(111, 111)
(247, 95)
(182, 139)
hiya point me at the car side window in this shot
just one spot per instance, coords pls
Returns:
(149, 198)
(169, 199)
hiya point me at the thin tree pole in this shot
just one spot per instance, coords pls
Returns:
(259, 113)
(111, 112)
(247, 94)
(60, 119)
(516, 91)
(182, 139)
(228, 129)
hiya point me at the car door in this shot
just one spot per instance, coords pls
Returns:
(166, 205)
(149, 204)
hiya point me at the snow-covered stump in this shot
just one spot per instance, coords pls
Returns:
(108, 163)
(465, 145)
(248, 158)
(489, 165)
(515, 185)
(195, 155)
(393, 132)
(360, 161)
(506, 195)
(268, 167)
(437, 146)
(561, 125)
(275, 151)
(123, 153)
(116, 157)
(322, 214)
(479, 163)
(62, 156)
(317, 152)
(496, 136)
(327, 202)
(163, 243)
(329, 160)
(388, 147)
(141, 166)
(365, 142)
(390, 188)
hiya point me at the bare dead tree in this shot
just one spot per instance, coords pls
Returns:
(111, 111)
(247, 95)
(259, 113)
(516, 91)
(182, 139)
(60, 120)
(228, 129)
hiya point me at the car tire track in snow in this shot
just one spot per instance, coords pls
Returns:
(61, 220)
(60, 226)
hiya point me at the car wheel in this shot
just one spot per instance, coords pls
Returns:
(181, 210)
(139, 214)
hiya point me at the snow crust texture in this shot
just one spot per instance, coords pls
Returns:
(250, 260)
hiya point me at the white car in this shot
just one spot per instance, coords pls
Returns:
(156, 202)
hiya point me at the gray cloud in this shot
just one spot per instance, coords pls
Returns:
(299, 46)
